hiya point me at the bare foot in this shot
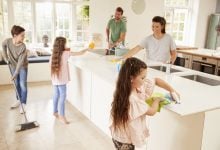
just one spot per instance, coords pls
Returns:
(56, 115)
(63, 119)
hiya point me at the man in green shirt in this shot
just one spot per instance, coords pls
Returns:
(116, 29)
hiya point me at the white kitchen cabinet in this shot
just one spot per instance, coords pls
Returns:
(79, 90)
(211, 132)
(37, 72)
(91, 95)
(169, 131)
(188, 60)
(101, 99)
(191, 125)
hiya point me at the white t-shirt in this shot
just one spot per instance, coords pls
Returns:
(158, 50)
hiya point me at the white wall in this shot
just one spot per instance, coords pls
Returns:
(201, 18)
(218, 6)
(100, 11)
(138, 26)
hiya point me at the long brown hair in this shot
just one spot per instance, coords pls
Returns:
(120, 105)
(58, 48)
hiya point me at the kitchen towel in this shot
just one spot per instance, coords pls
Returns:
(165, 100)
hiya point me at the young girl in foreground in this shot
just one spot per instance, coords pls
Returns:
(129, 110)
(60, 75)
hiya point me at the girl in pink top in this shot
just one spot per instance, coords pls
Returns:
(129, 110)
(60, 75)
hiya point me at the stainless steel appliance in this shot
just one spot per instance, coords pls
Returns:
(218, 69)
(213, 36)
(184, 60)
(204, 64)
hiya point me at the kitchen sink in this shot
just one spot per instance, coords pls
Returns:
(119, 52)
(99, 51)
(202, 79)
(163, 69)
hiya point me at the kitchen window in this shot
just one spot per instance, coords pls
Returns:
(1, 19)
(4, 18)
(63, 23)
(52, 18)
(44, 20)
(23, 17)
(178, 14)
(82, 20)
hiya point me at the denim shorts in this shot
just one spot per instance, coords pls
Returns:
(123, 146)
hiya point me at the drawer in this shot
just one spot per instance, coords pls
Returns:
(205, 60)
(219, 63)
(184, 55)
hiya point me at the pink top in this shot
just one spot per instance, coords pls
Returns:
(64, 76)
(136, 130)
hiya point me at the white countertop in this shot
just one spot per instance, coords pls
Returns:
(195, 97)
(204, 52)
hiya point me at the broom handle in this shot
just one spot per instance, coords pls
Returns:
(16, 90)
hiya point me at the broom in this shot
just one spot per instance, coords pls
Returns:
(27, 125)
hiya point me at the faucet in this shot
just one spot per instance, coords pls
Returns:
(168, 67)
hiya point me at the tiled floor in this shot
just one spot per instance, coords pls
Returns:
(80, 134)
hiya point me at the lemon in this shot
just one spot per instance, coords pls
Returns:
(91, 45)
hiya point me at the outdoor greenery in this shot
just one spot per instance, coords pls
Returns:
(85, 11)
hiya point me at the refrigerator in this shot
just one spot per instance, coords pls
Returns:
(213, 36)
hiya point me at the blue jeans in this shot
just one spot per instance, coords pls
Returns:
(59, 97)
(21, 84)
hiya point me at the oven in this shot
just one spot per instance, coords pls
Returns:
(183, 60)
(204, 64)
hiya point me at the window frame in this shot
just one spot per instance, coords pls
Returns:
(73, 15)
(187, 22)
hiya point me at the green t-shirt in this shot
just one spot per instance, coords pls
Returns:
(116, 28)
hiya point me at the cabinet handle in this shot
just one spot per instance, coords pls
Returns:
(207, 65)
(204, 58)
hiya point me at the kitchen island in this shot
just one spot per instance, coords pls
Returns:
(191, 125)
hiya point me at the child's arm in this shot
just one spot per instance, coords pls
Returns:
(153, 108)
(161, 83)
(79, 53)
